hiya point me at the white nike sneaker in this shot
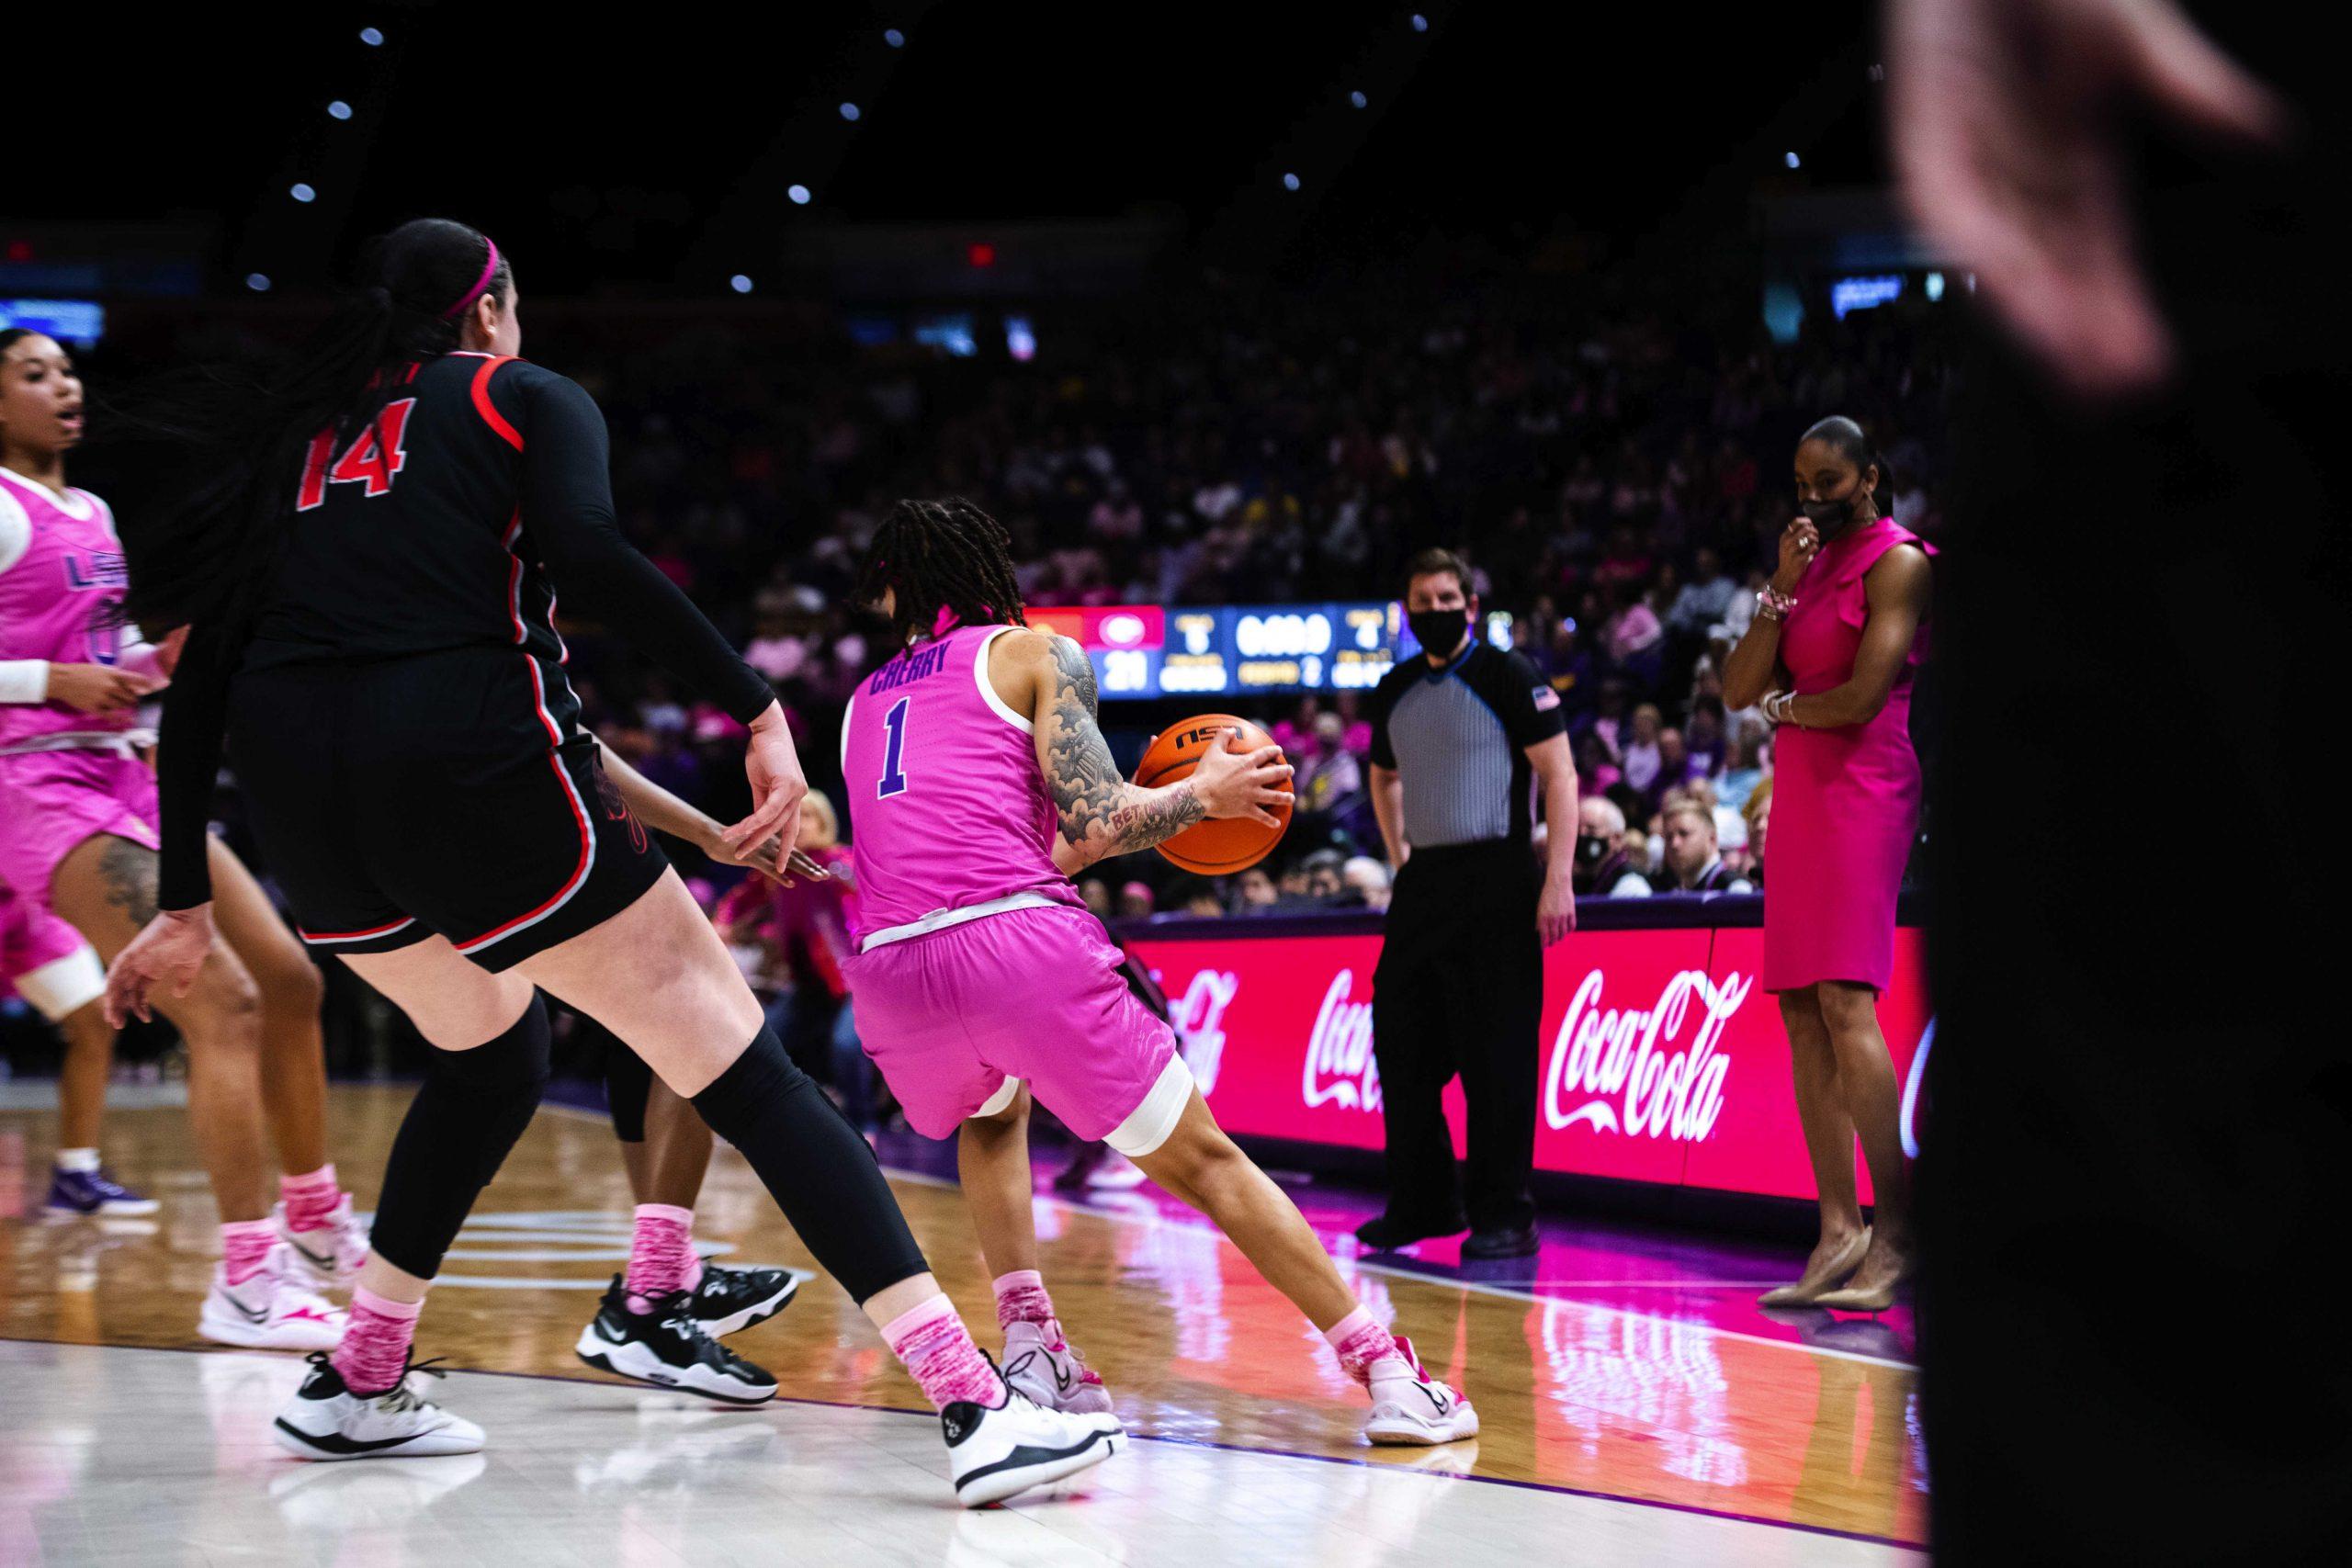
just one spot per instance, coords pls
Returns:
(271, 1311)
(1409, 1406)
(997, 1450)
(1040, 1363)
(327, 1258)
(326, 1420)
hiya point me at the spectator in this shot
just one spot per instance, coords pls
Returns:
(1368, 879)
(1703, 601)
(1096, 893)
(1258, 893)
(1323, 879)
(1694, 864)
(1329, 776)
(1135, 901)
(1639, 755)
(1605, 868)
(1759, 814)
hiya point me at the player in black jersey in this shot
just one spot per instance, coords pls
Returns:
(369, 567)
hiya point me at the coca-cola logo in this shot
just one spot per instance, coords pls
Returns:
(1339, 1066)
(1633, 1071)
(1200, 1022)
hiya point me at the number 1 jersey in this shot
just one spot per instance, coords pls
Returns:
(948, 810)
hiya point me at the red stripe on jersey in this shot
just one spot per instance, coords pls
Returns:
(356, 936)
(579, 815)
(483, 406)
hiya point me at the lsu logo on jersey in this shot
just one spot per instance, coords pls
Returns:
(97, 569)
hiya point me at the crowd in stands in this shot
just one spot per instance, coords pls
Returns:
(1614, 476)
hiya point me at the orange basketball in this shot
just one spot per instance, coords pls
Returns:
(1215, 848)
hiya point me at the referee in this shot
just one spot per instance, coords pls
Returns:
(1462, 735)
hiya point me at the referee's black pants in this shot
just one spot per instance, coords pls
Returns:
(1460, 990)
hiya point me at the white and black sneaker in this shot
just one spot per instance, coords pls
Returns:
(729, 1301)
(1411, 1408)
(326, 1420)
(668, 1345)
(995, 1452)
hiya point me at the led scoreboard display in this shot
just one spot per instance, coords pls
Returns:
(1143, 651)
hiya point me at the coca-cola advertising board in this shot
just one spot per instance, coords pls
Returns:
(1658, 1058)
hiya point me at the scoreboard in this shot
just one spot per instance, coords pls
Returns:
(1146, 650)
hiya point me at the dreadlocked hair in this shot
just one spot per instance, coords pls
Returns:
(935, 555)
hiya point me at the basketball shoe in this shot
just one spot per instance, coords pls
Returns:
(1409, 1406)
(997, 1450)
(1040, 1363)
(326, 1420)
(94, 1192)
(327, 1258)
(668, 1345)
(728, 1300)
(273, 1310)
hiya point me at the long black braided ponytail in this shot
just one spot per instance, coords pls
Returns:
(935, 555)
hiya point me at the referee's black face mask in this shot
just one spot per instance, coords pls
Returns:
(1438, 631)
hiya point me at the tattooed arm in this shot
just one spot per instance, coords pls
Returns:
(1098, 811)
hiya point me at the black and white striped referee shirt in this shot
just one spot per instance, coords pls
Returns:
(1457, 736)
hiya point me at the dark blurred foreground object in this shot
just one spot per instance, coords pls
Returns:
(2139, 1133)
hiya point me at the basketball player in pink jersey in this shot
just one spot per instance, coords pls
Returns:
(77, 844)
(979, 780)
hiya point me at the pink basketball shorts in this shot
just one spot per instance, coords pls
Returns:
(958, 1018)
(45, 959)
(57, 799)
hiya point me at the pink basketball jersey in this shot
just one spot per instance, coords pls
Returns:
(58, 601)
(947, 807)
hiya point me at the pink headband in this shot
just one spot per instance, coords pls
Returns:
(470, 295)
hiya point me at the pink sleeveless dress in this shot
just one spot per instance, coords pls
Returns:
(64, 774)
(978, 967)
(1845, 801)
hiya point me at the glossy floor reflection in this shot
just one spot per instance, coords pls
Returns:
(1622, 1431)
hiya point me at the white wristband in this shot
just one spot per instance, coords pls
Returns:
(24, 680)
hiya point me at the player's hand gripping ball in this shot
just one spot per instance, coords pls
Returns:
(1223, 844)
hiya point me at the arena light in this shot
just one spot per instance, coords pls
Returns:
(799, 195)
(371, 37)
(1421, 23)
(982, 253)
(850, 112)
(1358, 98)
(258, 282)
(1935, 287)
(894, 38)
(741, 284)
(303, 193)
(1791, 159)
(1290, 182)
(338, 110)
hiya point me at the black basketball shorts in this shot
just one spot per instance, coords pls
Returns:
(447, 792)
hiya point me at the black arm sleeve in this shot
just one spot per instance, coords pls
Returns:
(187, 761)
(568, 511)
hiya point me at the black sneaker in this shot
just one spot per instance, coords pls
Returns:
(1492, 1243)
(1390, 1232)
(668, 1345)
(728, 1300)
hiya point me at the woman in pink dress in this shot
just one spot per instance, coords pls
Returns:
(1830, 657)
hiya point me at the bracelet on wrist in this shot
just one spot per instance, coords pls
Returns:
(1773, 605)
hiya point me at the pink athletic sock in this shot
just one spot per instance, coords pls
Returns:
(310, 1199)
(1359, 1342)
(1021, 1297)
(245, 1247)
(374, 1352)
(658, 1258)
(940, 1356)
